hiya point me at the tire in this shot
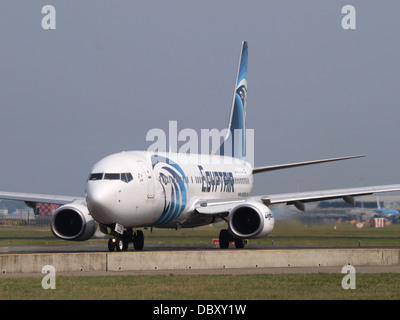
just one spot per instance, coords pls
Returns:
(138, 240)
(125, 241)
(239, 243)
(111, 245)
(119, 245)
(224, 238)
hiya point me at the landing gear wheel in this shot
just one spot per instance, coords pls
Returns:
(239, 243)
(125, 241)
(138, 240)
(111, 245)
(224, 238)
(119, 244)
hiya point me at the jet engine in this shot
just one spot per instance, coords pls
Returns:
(251, 220)
(73, 222)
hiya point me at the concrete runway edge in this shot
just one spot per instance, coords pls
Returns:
(197, 260)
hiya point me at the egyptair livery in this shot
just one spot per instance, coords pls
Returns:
(140, 189)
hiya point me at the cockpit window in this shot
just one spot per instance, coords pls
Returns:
(125, 177)
(96, 176)
(112, 176)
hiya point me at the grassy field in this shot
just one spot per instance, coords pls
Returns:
(200, 287)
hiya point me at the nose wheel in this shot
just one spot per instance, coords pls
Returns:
(112, 244)
(121, 242)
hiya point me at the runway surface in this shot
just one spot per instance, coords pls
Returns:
(93, 248)
(96, 246)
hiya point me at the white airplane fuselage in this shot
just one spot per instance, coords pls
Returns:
(148, 189)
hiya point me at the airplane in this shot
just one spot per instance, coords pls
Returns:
(131, 190)
(385, 211)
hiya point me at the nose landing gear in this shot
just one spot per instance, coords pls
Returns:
(121, 242)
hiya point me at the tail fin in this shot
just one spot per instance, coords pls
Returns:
(235, 139)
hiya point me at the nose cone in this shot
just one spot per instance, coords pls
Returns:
(101, 201)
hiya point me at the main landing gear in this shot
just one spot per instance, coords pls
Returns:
(225, 238)
(121, 242)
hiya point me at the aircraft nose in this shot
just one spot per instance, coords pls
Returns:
(101, 199)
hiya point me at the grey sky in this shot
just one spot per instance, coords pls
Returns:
(112, 70)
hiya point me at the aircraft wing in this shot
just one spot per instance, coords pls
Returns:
(224, 206)
(299, 198)
(301, 164)
(39, 198)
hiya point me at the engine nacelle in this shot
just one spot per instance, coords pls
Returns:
(251, 220)
(73, 222)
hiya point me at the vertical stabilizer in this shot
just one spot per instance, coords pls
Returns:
(235, 141)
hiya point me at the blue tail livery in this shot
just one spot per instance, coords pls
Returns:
(235, 141)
